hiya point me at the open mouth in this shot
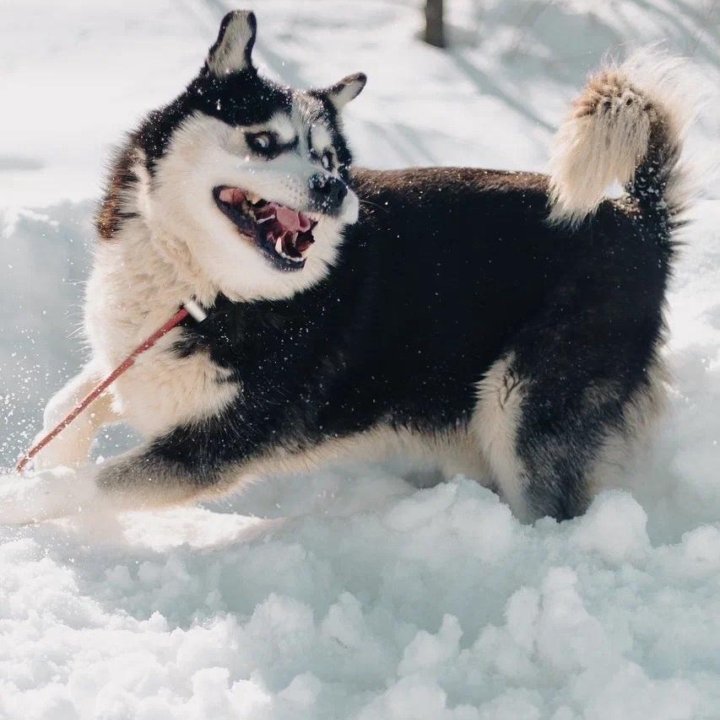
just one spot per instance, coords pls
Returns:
(284, 235)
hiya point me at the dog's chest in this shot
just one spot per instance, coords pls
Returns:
(129, 296)
(163, 391)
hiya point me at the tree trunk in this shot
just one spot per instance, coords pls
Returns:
(434, 24)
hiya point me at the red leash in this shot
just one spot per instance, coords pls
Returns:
(189, 309)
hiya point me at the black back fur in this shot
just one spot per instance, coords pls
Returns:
(447, 271)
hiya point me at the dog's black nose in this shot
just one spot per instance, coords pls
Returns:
(326, 192)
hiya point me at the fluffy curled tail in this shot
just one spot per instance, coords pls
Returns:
(627, 126)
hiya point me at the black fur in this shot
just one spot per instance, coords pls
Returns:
(447, 271)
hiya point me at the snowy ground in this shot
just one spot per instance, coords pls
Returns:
(351, 594)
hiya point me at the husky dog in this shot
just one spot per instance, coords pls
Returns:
(505, 324)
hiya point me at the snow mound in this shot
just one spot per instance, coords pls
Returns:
(349, 593)
(435, 604)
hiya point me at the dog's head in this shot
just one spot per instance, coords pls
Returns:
(250, 177)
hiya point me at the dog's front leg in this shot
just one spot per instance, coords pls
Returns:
(72, 446)
(45, 495)
(138, 480)
(146, 479)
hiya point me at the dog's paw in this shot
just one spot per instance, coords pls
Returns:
(70, 449)
(44, 495)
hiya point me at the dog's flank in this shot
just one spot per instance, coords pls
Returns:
(626, 127)
(513, 316)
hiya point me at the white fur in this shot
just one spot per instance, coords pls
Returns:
(133, 289)
(71, 447)
(452, 452)
(495, 423)
(320, 138)
(205, 153)
(606, 134)
(281, 124)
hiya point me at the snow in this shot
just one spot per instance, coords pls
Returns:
(350, 593)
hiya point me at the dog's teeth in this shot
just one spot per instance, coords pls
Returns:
(253, 198)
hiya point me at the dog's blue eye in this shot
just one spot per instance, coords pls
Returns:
(262, 142)
(327, 160)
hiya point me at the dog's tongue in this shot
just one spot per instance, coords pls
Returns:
(291, 220)
(288, 230)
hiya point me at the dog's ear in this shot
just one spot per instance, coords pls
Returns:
(232, 50)
(341, 93)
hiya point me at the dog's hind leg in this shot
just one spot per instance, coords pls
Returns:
(557, 427)
(72, 446)
(495, 423)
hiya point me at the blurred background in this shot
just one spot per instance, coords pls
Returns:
(75, 75)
